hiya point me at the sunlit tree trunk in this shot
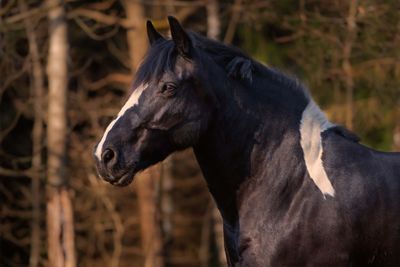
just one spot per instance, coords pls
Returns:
(213, 21)
(60, 229)
(147, 182)
(137, 37)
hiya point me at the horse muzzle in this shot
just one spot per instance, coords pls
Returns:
(111, 168)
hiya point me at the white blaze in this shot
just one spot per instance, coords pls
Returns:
(133, 100)
(313, 123)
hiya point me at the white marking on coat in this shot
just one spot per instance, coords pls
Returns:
(132, 101)
(313, 123)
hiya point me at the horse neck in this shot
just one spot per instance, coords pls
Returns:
(248, 141)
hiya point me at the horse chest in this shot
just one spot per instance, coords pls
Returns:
(312, 235)
(268, 243)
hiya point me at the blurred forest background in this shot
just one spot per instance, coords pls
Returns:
(65, 70)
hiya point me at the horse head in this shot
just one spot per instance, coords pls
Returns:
(168, 110)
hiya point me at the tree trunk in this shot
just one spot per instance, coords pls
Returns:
(204, 250)
(146, 182)
(213, 21)
(235, 16)
(213, 31)
(167, 205)
(137, 37)
(219, 236)
(346, 65)
(396, 138)
(60, 229)
(147, 189)
(37, 135)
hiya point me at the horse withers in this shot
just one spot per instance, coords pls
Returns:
(293, 188)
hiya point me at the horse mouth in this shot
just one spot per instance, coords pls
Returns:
(124, 179)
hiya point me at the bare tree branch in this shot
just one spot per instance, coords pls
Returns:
(37, 12)
(123, 78)
(12, 173)
(99, 17)
(37, 136)
(91, 33)
(7, 7)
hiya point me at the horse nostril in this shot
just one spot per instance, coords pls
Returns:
(107, 155)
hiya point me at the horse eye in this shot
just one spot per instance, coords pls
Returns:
(169, 89)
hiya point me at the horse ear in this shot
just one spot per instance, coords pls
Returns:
(180, 37)
(240, 68)
(152, 34)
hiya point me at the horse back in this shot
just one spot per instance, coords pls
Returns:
(367, 194)
(288, 221)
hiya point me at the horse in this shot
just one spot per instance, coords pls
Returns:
(293, 188)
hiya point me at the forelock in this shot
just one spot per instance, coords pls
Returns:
(160, 59)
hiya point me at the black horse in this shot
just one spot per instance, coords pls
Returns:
(293, 188)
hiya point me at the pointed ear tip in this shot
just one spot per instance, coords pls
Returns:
(172, 19)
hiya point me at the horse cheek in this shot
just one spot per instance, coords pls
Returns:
(186, 135)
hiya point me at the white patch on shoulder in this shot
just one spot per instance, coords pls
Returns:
(313, 123)
(133, 100)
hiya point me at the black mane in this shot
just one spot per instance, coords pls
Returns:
(238, 65)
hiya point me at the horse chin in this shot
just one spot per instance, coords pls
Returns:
(125, 179)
